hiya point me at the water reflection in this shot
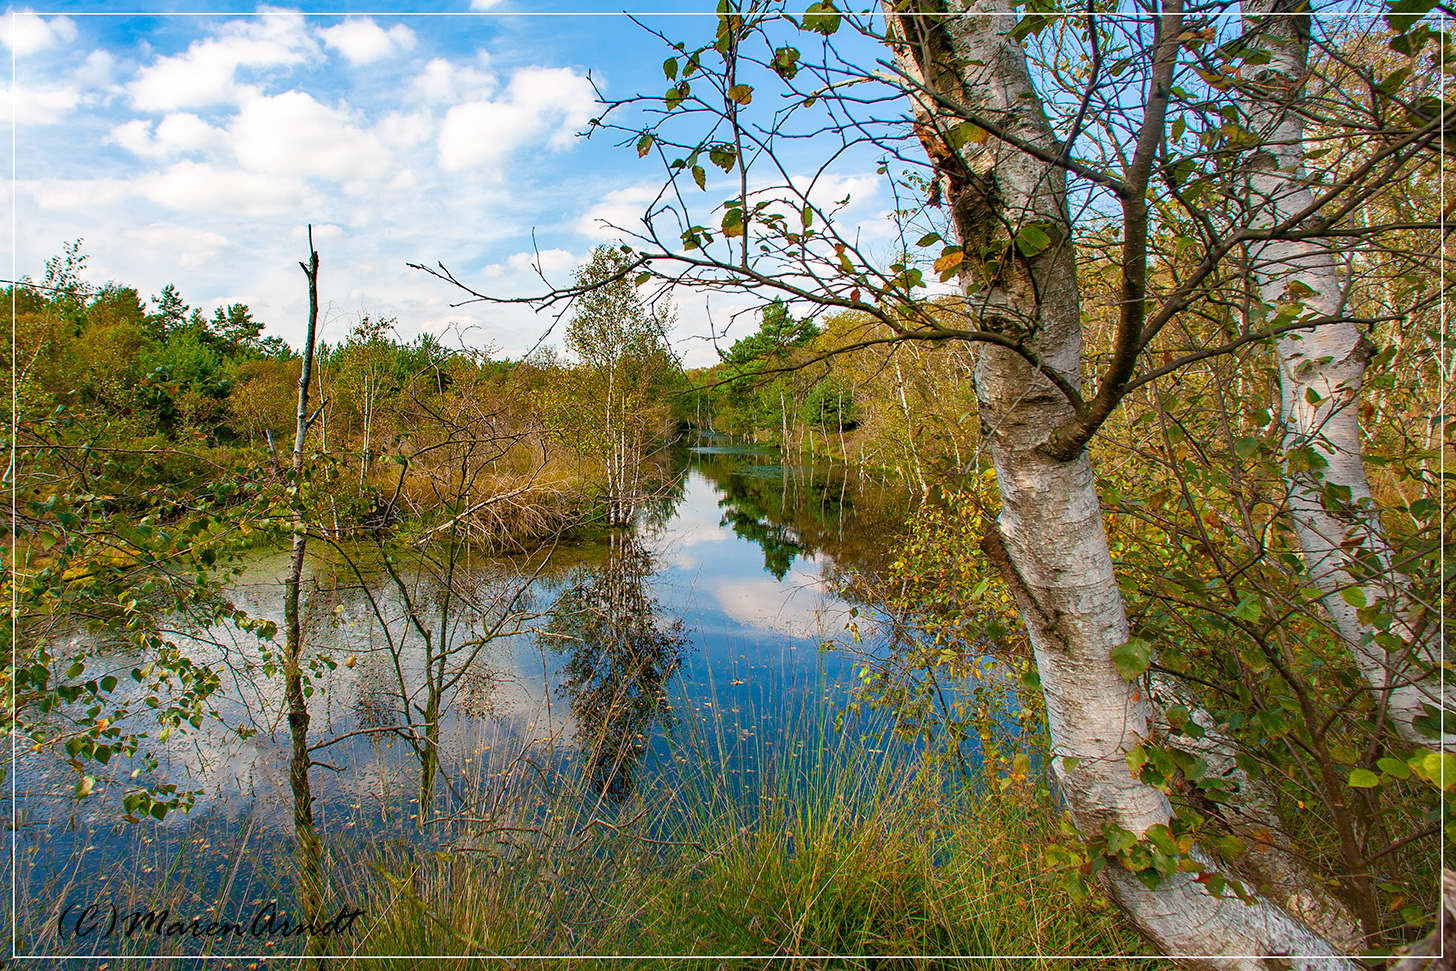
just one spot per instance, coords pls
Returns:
(470, 673)
(435, 621)
(621, 655)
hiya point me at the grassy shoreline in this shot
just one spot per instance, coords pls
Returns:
(834, 857)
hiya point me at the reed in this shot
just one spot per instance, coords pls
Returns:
(827, 846)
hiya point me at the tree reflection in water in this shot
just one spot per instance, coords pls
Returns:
(621, 659)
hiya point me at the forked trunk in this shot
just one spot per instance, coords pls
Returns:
(1320, 372)
(1049, 541)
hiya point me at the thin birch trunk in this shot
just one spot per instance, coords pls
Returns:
(1321, 370)
(1049, 542)
(912, 454)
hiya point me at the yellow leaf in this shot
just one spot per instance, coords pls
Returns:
(950, 261)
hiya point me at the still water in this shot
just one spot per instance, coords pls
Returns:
(704, 636)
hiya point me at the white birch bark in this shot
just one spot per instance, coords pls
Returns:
(1050, 543)
(1320, 371)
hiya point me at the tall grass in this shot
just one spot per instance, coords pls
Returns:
(831, 851)
(814, 847)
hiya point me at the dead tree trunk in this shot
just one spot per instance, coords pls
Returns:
(311, 889)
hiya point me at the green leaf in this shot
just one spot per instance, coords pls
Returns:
(784, 62)
(1403, 14)
(644, 144)
(723, 156)
(822, 18)
(929, 239)
(733, 223)
(1435, 722)
(1364, 779)
(1393, 767)
(700, 177)
(1437, 768)
(1118, 839)
(1248, 609)
(741, 93)
(1393, 81)
(1031, 240)
(1179, 126)
(669, 68)
(1160, 836)
(1132, 658)
(1148, 877)
(1353, 596)
(966, 131)
(1230, 846)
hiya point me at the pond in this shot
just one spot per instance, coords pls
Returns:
(702, 638)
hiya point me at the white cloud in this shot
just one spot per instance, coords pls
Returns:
(554, 263)
(261, 160)
(364, 41)
(25, 33)
(621, 208)
(86, 195)
(190, 186)
(197, 247)
(292, 134)
(98, 71)
(405, 130)
(795, 607)
(288, 136)
(176, 134)
(206, 72)
(554, 102)
(443, 83)
(35, 102)
(37, 106)
(830, 190)
(484, 4)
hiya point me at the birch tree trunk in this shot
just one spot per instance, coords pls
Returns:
(1321, 370)
(1049, 542)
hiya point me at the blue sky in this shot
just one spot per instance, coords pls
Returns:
(193, 149)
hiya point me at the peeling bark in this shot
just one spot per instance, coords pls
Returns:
(1049, 540)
